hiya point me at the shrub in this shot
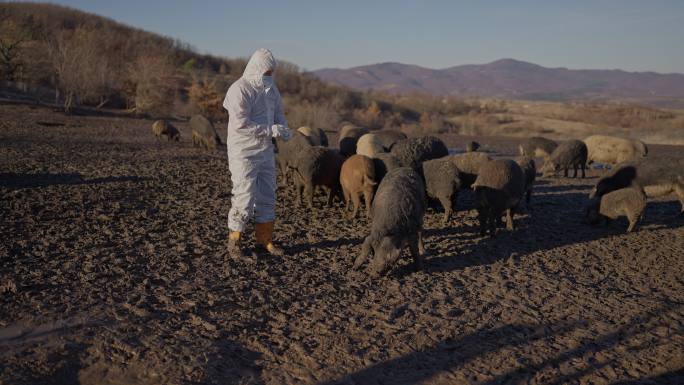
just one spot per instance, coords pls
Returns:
(155, 85)
(205, 96)
(312, 115)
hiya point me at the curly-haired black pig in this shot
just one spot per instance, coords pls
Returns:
(499, 187)
(442, 182)
(398, 210)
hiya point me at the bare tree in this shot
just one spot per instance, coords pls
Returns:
(82, 72)
(61, 51)
(155, 86)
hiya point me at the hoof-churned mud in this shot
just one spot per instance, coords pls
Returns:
(114, 270)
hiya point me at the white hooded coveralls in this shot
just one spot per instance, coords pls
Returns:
(252, 110)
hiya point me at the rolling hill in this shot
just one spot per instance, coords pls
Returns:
(514, 79)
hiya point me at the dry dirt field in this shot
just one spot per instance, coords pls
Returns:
(113, 270)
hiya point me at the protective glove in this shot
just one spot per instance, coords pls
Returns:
(280, 131)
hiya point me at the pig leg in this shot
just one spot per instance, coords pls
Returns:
(632, 222)
(290, 175)
(499, 221)
(566, 172)
(639, 219)
(584, 166)
(574, 167)
(283, 171)
(340, 196)
(299, 187)
(301, 192)
(356, 202)
(454, 200)
(494, 219)
(298, 193)
(482, 216)
(347, 198)
(309, 193)
(446, 203)
(414, 247)
(368, 200)
(509, 218)
(421, 246)
(331, 195)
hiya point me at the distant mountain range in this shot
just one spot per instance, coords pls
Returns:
(514, 79)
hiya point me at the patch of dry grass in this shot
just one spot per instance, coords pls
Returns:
(573, 120)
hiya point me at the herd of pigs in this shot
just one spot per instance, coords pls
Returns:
(396, 175)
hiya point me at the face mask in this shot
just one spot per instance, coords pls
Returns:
(267, 81)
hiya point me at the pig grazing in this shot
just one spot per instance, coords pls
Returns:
(412, 152)
(163, 128)
(469, 164)
(442, 182)
(316, 135)
(398, 210)
(529, 169)
(349, 136)
(387, 138)
(358, 177)
(629, 202)
(613, 150)
(472, 146)
(203, 133)
(384, 162)
(318, 166)
(657, 176)
(499, 187)
(369, 145)
(572, 153)
(537, 147)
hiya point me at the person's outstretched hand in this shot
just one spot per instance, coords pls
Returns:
(280, 131)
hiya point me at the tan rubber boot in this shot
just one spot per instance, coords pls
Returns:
(235, 245)
(264, 238)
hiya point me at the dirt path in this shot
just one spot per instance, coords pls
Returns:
(113, 270)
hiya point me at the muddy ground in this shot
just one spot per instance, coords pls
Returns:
(114, 270)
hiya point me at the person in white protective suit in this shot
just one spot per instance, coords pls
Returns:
(255, 117)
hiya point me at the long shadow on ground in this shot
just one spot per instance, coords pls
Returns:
(450, 355)
(17, 181)
(231, 363)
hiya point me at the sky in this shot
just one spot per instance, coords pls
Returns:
(634, 35)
